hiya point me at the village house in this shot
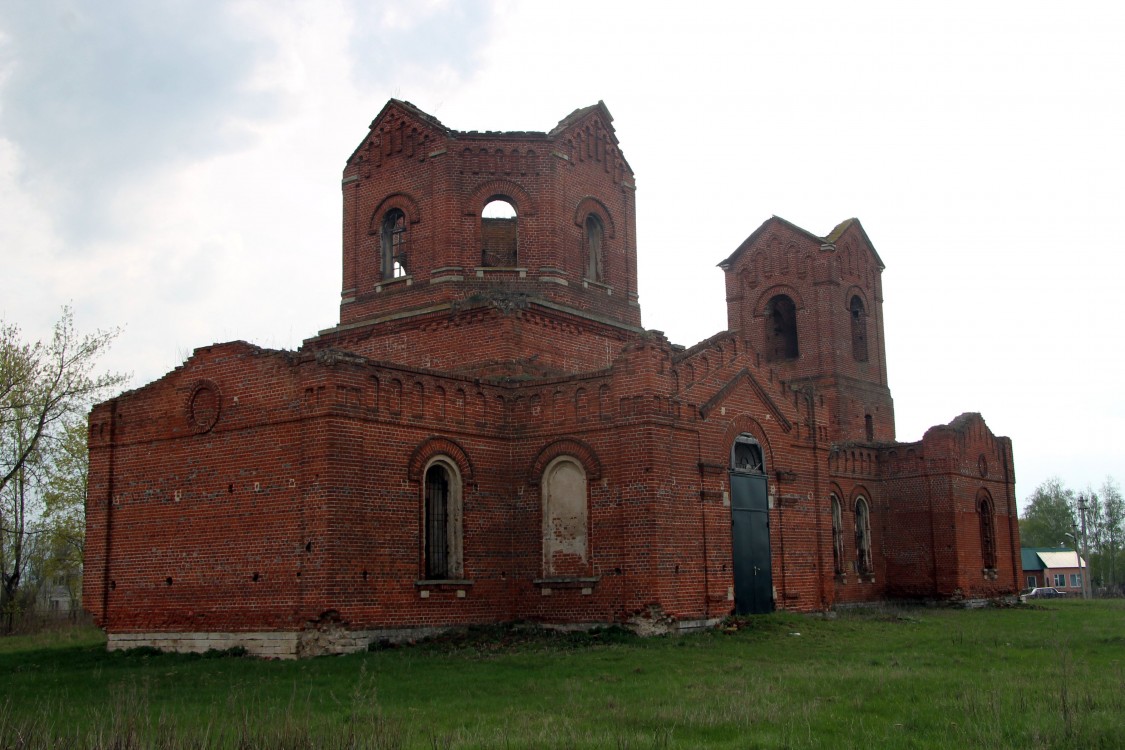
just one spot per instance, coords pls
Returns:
(1056, 567)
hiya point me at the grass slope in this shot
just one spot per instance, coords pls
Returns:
(1044, 676)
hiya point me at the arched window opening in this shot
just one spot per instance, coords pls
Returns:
(499, 233)
(746, 455)
(863, 563)
(442, 522)
(837, 536)
(781, 329)
(392, 245)
(869, 427)
(565, 512)
(595, 233)
(859, 330)
(987, 531)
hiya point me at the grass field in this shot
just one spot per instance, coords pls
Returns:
(1043, 676)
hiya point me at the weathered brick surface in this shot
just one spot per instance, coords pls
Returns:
(253, 492)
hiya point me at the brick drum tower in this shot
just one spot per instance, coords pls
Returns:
(489, 434)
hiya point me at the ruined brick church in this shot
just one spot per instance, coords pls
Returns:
(489, 434)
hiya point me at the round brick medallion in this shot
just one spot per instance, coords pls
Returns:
(204, 405)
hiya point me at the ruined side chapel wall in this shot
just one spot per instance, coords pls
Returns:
(201, 517)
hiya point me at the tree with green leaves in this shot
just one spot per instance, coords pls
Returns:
(1110, 534)
(1049, 515)
(46, 390)
(63, 522)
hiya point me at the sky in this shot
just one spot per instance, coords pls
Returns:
(172, 168)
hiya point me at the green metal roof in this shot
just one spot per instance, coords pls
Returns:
(1031, 559)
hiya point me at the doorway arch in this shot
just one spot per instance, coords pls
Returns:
(750, 527)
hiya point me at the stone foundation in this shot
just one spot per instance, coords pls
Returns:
(334, 640)
(269, 644)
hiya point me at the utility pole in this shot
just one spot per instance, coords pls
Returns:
(1087, 584)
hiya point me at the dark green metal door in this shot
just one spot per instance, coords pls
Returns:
(750, 526)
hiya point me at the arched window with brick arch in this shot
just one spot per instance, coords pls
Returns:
(597, 228)
(837, 536)
(781, 329)
(392, 244)
(499, 233)
(863, 563)
(858, 315)
(565, 518)
(442, 520)
(746, 455)
(987, 519)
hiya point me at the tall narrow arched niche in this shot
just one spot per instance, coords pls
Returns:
(565, 518)
(864, 564)
(595, 241)
(837, 536)
(597, 230)
(858, 315)
(986, 516)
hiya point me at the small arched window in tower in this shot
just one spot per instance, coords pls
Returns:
(392, 244)
(499, 234)
(781, 329)
(859, 329)
(595, 233)
(869, 428)
(837, 536)
(863, 562)
(987, 529)
(746, 455)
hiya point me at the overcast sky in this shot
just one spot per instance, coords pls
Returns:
(173, 168)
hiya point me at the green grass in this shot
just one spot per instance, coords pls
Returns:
(1043, 676)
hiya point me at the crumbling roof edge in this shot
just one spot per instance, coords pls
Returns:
(758, 233)
(245, 346)
(407, 107)
(582, 112)
(838, 231)
(536, 135)
(707, 343)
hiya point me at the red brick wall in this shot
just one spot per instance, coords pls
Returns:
(256, 490)
(305, 479)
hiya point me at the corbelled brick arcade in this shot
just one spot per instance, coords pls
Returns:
(490, 435)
